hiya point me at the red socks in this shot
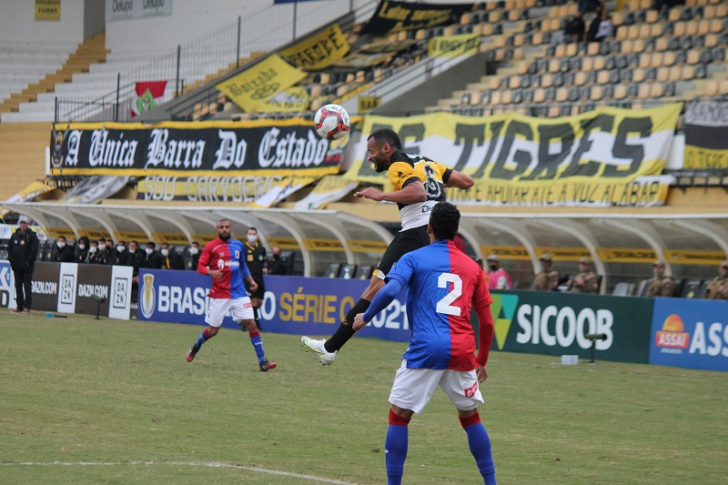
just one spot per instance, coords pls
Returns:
(397, 420)
(467, 422)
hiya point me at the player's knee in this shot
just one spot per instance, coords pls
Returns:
(212, 331)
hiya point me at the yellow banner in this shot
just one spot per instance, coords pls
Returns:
(368, 103)
(505, 252)
(94, 234)
(172, 238)
(682, 256)
(128, 236)
(627, 255)
(610, 255)
(453, 45)
(253, 87)
(704, 158)
(290, 100)
(319, 51)
(61, 231)
(283, 242)
(607, 157)
(48, 10)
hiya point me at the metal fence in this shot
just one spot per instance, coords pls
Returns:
(192, 62)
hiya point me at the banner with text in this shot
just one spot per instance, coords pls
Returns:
(318, 51)
(136, 9)
(292, 305)
(253, 87)
(395, 16)
(706, 135)
(453, 45)
(606, 157)
(208, 148)
(557, 323)
(692, 334)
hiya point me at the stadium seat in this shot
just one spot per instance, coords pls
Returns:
(623, 289)
(692, 289)
(644, 285)
(332, 271)
(347, 271)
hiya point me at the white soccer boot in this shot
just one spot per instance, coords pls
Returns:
(317, 347)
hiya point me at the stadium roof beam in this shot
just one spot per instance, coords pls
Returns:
(709, 229)
(335, 231)
(373, 226)
(57, 211)
(515, 229)
(100, 217)
(648, 234)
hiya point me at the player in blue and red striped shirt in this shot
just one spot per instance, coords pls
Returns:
(443, 285)
(224, 260)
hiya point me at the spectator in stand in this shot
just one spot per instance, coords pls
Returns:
(22, 251)
(63, 253)
(135, 258)
(195, 253)
(586, 281)
(117, 255)
(276, 265)
(575, 30)
(661, 285)
(82, 247)
(498, 278)
(171, 260)
(154, 260)
(718, 288)
(548, 279)
(594, 25)
(96, 253)
(605, 29)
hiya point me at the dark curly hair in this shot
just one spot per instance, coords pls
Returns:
(444, 221)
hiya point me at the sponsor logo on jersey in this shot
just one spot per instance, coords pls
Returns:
(472, 390)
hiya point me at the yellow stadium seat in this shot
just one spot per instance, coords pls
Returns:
(627, 47)
(593, 48)
(571, 50)
(675, 73)
(554, 65)
(495, 98)
(547, 80)
(494, 16)
(656, 60)
(711, 88)
(597, 93)
(644, 91)
(560, 51)
(622, 33)
(507, 97)
(638, 46)
(661, 44)
(638, 75)
(691, 28)
(537, 38)
(721, 11)
(599, 62)
(539, 95)
(656, 29)
(693, 56)
(475, 98)
(668, 58)
(554, 111)
(421, 34)
(465, 18)
(514, 15)
(723, 86)
(674, 15)
(562, 95)
(716, 25)
(617, 19)
(709, 12)
(580, 78)
(645, 60)
(711, 40)
(644, 31)
(657, 90)
(688, 72)
(587, 64)
(645, 4)
(680, 28)
(620, 91)
(633, 32)
(602, 77)
(663, 74)
(487, 29)
(514, 82)
(651, 17)
(704, 27)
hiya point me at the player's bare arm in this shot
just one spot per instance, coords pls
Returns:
(414, 192)
(459, 180)
(252, 283)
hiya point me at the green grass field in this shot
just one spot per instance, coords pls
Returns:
(85, 401)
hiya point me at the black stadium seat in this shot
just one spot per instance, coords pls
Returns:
(332, 271)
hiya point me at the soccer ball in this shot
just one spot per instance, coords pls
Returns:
(331, 122)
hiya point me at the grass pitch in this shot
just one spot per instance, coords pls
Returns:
(85, 401)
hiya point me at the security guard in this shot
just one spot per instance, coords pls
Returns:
(661, 285)
(586, 281)
(548, 278)
(718, 288)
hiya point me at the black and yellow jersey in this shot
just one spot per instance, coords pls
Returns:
(406, 169)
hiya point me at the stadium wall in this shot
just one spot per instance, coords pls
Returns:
(18, 23)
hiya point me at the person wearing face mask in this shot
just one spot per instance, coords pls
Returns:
(276, 265)
(255, 258)
(194, 253)
(586, 281)
(154, 259)
(170, 259)
(661, 285)
(136, 258)
(63, 252)
(498, 278)
(96, 253)
(718, 288)
(117, 254)
(82, 250)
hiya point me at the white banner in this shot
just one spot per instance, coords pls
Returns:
(67, 288)
(120, 292)
(136, 9)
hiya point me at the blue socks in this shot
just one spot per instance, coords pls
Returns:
(257, 345)
(479, 443)
(395, 448)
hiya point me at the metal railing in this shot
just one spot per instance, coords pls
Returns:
(193, 62)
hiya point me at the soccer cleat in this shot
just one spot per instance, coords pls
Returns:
(265, 366)
(192, 352)
(317, 347)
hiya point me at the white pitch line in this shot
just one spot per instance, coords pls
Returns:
(181, 463)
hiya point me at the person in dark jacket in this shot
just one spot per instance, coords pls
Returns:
(276, 265)
(96, 253)
(154, 259)
(63, 252)
(22, 253)
(82, 250)
(172, 260)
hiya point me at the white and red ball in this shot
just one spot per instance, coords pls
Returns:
(331, 122)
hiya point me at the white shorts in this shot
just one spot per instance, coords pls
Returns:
(413, 388)
(241, 310)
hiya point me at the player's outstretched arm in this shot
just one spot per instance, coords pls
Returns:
(412, 193)
(383, 298)
(459, 180)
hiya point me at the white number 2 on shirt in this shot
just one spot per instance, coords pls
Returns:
(444, 305)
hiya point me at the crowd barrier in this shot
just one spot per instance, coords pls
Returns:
(664, 331)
